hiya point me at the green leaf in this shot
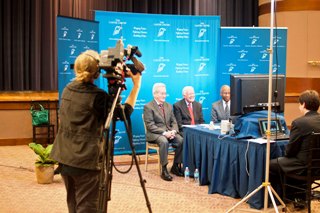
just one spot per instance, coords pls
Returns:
(43, 154)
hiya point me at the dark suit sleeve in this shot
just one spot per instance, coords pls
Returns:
(173, 121)
(295, 141)
(177, 114)
(201, 120)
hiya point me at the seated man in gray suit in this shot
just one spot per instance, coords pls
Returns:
(221, 109)
(188, 111)
(162, 129)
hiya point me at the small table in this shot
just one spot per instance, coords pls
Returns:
(229, 166)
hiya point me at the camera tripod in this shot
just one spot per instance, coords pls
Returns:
(107, 158)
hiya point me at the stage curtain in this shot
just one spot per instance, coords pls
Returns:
(28, 31)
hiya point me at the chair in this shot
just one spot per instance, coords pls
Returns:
(311, 176)
(153, 155)
(43, 133)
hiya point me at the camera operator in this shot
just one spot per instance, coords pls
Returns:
(83, 111)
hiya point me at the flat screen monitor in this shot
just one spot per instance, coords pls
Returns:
(249, 93)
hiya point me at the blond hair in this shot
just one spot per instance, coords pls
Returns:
(87, 66)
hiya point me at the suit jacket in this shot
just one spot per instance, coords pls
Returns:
(155, 123)
(183, 116)
(218, 113)
(296, 151)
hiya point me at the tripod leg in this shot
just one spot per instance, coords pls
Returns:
(106, 173)
(246, 198)
(277, 196)
(142, 181)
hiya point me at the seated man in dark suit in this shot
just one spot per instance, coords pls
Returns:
(221, 109)
(188, 111)
(162, 129)
(295, 157)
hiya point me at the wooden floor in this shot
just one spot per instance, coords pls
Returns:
(19, 191)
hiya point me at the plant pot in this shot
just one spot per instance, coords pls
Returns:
(44, 174)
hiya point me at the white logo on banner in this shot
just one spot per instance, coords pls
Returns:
(264, 55)
(64, 36)
(201, 32)
(230, 68)
(242, 56)
(117, 139)
(275, 67)
(163, 27)
(161, 31)
(201, 99)
(253, 67)
(161, 67)
(79, 33)
(202, 27)
(201, 66)
(162, 62)
(275, 41)
(65, 67)
(231, 41)
(92, 36)
(254, 41)
(116, 30)
(72, 51)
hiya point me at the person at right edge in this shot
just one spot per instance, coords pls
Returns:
(295, 158)
(77, 146)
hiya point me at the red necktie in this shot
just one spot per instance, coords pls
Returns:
(191, 113)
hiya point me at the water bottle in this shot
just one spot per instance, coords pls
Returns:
(196, 176)
(186, 174)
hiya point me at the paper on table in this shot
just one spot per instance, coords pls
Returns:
(189, 125)
(260, 140)
(209, 126)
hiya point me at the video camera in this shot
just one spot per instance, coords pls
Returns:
(113, 61)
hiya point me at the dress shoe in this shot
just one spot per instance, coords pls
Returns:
(181, 169)
(175, 170)
(299, 203)
(165, 175)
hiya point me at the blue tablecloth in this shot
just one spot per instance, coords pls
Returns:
(230, 167)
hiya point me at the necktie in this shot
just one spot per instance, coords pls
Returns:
(226, 110)
(191, 113)
(162, 110)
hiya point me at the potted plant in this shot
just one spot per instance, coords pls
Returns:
(44, 166)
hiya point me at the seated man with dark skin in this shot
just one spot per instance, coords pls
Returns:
(221, 108)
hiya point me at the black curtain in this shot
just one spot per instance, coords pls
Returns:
(28, 31)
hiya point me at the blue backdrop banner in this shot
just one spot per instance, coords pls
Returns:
(176, 50)
(74, 36)
(243, 50)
